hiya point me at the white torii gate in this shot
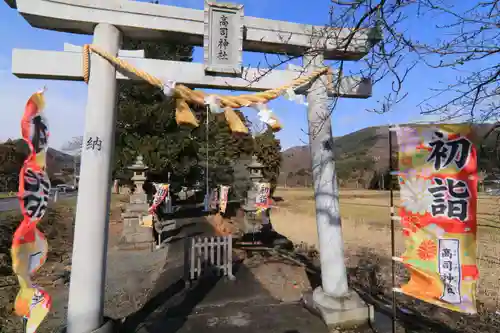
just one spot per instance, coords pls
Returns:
(108, 21)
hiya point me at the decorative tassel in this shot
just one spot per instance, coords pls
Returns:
(234, 122)
(276, 125)
(292, 96)
(169, 88)
(184, 115)
(213, 102)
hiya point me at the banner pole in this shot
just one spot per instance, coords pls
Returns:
(25, 324)
(207, 191)
(393, 238)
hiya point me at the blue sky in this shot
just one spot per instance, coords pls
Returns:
(66, 100)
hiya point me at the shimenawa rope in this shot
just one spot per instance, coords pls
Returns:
(184, 94)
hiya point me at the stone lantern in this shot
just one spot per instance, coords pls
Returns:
(137, 209)
(139, 177)
(255, 169)
(256, 177)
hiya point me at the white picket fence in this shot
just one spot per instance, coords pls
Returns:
(208, 255)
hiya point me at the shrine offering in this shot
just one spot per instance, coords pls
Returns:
(29, 246)
(147, 221)
(438, 188)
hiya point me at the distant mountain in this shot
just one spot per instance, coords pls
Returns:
(362, 158)
(59, 162)
(12, 155)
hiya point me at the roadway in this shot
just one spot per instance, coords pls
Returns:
(8, 204)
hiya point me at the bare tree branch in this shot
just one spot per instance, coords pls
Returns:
(468, 41)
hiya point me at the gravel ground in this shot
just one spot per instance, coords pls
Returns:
(130, 277)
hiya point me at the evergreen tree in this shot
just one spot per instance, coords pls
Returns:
(225, 150)
(12, 156)
(268, 151)
(146, 125)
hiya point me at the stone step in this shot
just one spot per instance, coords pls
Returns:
(168, 225)
(234, 317)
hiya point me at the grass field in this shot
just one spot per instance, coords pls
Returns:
(367, 237)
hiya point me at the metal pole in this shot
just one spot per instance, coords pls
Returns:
(86, 292)
(393, 235)
(207, 194)
(206, 137)
(326, 194)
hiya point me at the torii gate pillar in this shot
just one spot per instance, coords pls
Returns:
(86, 291)
(337, 305)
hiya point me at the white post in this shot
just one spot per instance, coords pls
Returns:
(86, 293)
(331, 245)
(338, 306)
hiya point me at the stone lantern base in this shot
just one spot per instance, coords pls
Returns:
(133, 233)
(250, 224)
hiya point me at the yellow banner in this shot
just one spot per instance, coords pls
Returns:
(438, 190)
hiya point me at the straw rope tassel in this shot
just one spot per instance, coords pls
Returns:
(234, 122)
(185, 95)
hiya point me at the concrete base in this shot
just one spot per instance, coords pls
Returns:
(133, 232)
(339, 313)
(250, 225)
(109, 326)
(139, 199)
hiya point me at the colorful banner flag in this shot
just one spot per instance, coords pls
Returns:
(438, 189)
(214, 199)
(162, 192)
(223, 198)
(262, 201)
(29, 246)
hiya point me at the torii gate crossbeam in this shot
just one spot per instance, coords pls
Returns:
(169, 23)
